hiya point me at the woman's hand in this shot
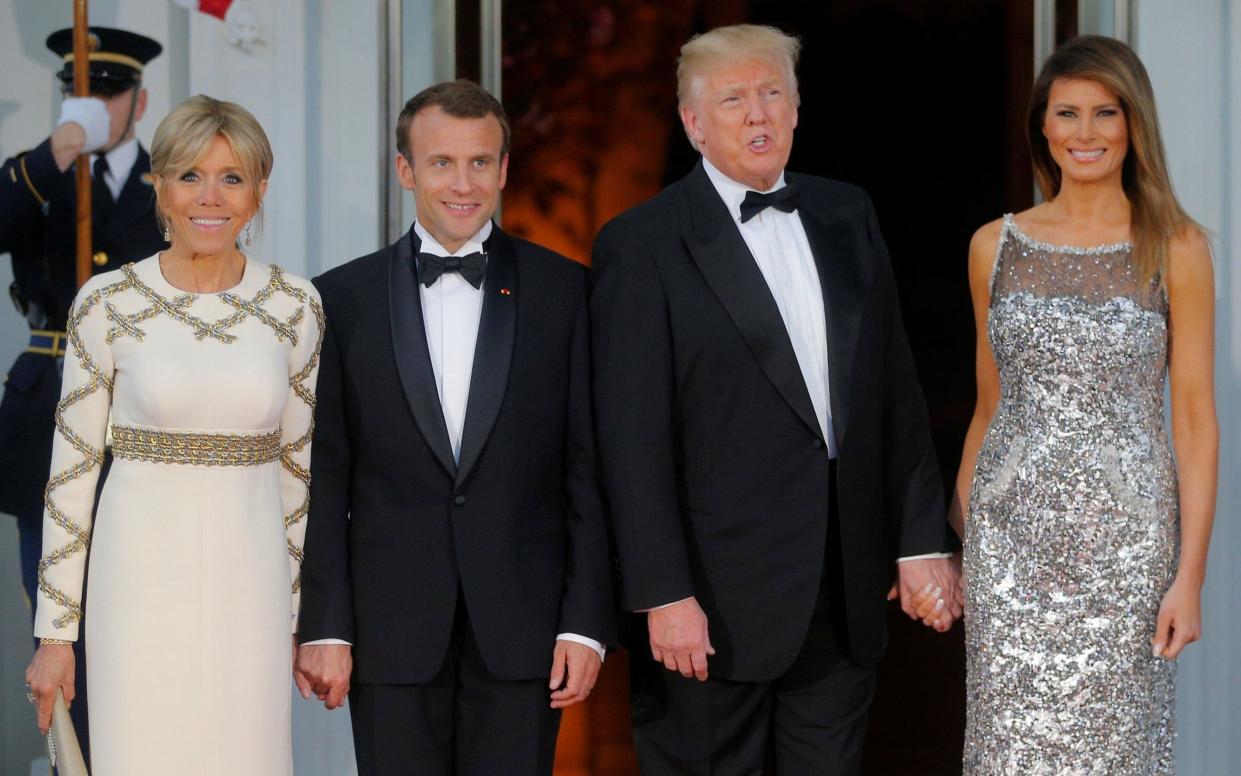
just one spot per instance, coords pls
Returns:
(51, 668)
(1180, 619)
(929, 605)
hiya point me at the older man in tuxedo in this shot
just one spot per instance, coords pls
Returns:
(457, 582)
(763, 436)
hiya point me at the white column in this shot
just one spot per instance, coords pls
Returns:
(1192, 49)
(343, 114)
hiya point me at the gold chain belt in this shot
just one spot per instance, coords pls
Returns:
(188, 447)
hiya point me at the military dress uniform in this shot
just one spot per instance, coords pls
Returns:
(38, 207)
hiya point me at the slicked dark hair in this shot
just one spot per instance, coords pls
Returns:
(462, 99)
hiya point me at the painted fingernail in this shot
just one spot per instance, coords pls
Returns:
(927, 589)
(938, 592)
(1157, 651)
(938, 605)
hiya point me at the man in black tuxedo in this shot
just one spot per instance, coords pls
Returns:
(457, 578)
(763, 437)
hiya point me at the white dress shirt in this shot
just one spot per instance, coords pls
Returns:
(778, 243)
(451, 312)
(120, 163)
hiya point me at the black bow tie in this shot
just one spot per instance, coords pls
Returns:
(786, 199)
(470, 267)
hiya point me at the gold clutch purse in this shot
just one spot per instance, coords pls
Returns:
(63, 750)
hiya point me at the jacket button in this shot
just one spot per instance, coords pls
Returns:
(459, 501)
(818, 443)
(100, 258)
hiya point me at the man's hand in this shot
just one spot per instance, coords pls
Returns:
(575, 667)
(324, 670)
(679, 638)
(929, 591)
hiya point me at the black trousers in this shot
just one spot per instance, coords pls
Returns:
(463, 722)
(811, 720)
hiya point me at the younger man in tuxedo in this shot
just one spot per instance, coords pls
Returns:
(457, 580)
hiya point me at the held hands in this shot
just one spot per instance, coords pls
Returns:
(931, 590)
(324, 670)
(575, 667)
(679, 638)
(51, 668)
(1180, 619)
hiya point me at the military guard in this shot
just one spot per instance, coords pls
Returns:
(38, 205)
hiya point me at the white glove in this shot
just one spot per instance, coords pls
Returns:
(91, 115)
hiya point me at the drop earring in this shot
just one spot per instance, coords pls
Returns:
(248, 233)
(167, 235)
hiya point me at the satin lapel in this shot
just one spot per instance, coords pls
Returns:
(832, 243)
(493, 353)
(725, 261)
(409, 346)
(135, 202)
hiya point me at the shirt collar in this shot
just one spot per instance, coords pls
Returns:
(120, 159)
(732, 192)
(432, 245)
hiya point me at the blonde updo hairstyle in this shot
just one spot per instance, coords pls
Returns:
(185, 135)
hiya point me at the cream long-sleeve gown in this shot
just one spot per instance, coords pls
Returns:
(196, 544)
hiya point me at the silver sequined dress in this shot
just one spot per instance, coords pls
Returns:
(1073, 531)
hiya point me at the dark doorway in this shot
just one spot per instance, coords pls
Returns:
(920, 102)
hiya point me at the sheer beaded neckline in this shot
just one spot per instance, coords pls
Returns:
(1082, 250)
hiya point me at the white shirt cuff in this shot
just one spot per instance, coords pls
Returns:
(926, 556)
(321, 642)
(586, 640)
(663, 606)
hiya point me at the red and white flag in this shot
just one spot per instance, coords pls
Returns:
(216, 8)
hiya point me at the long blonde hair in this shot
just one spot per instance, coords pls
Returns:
(1156, 216)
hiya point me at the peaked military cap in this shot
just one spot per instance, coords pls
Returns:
(117, 58)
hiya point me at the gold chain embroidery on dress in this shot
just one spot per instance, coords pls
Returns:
(195, 448)
(298, 384)
(174, 447)
(91, 456)
(175, 308)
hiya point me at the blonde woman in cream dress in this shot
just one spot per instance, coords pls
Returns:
(201, 362)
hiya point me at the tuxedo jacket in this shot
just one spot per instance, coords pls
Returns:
(397, 529)
(716, 470)
(38, 215)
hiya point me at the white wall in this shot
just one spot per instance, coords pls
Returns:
(1192, 49)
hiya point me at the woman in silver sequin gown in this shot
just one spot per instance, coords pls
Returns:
(1082, 552)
